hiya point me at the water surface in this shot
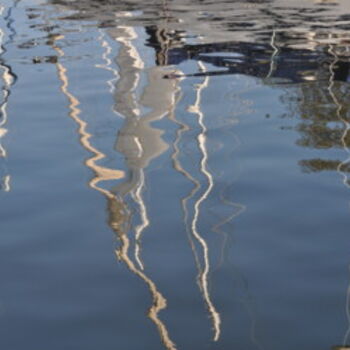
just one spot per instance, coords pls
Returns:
(174, 174)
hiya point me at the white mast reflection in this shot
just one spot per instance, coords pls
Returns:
(8, 80)
(204, 271)
(139, 142)
(118, 211)
(343, 164)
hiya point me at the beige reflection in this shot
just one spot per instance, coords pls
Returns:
(101, 173)
(204, 268)
(119, 215)
(7, 81)
(142, 96)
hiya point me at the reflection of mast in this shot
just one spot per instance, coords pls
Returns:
(8, 78)
(101, 173)
(183, 128)
(274, 53)
(340, 167)
(119, 215)
(203, 275)
(139, 142)
(137, 139)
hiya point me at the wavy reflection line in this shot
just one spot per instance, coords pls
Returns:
(6, 93)
(133, 67)
(129, 34)
(274, 53)
(342, 164)
(203, 276)
(159, 302)
(218, 227)
(108, 62)
(183, 128)
(137, 195)
(101, 173)
(138, 142)
(9, 79)
(346, 124)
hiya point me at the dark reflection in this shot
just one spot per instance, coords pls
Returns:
(321, 76)
(312, 54)
(221, 19)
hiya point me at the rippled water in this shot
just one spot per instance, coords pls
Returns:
(174, 174)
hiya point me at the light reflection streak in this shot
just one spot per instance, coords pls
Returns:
(339, 109)
(137, 195)
(119, 214)
(101, 173)
(9, 79)
(204, 272)
(130, 78)
(108, 62)
(183, 128)
(274, 54)
(140, 143)
(5, 90)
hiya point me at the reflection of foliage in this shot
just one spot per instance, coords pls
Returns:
(319, 135)
(323, 106)
(317, 165)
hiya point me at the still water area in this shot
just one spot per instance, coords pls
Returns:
(174, 175)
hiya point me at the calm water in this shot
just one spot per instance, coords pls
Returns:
(174, 174)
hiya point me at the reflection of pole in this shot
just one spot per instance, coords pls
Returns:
(118, 212)
(9, 78)
(101, 173)
(274, 53)
(178, 167)
(203, 275)
(139, 142)
(3, 106)
(341, 172)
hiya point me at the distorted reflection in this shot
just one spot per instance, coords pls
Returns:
(204, 271)
(307, 62)
(139, 142)
(8, 79)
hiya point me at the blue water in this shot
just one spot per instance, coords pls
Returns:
(174, 175)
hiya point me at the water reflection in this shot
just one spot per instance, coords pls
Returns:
(310, 65)
(138, 142)
(8, 80)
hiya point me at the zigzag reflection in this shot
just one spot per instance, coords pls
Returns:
(203, 275)
(8, 79)
(119, 215)
(139, 143)
(142, 96)
(341, 168)
(101, 173)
